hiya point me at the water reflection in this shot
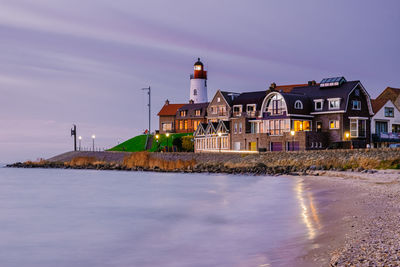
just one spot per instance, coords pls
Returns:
(309, 212)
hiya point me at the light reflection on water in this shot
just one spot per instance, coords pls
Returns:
(308, 210)
(100, 218)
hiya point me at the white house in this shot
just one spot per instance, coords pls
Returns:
(385, 124)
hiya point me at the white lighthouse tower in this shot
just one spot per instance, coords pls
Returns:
(198, 83)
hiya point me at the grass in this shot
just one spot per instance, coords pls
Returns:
(137, 143)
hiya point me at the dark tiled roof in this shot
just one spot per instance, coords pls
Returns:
(316, 92)
(288, 88)
(250, 98)
(291, 98)
(169, 110)
(228, 96)
(191, 110)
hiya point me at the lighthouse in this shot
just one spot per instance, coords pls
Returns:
(198, 83)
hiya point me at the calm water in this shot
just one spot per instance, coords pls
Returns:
(103, 218)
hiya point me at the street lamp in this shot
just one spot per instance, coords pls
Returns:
(167, 134)
(80, 139)
(347, 135)
(93, 137)
(220, 141)
(292, 134)
(157, 137)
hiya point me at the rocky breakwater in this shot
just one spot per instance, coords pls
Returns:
(264, 163)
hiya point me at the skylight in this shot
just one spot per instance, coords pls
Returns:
(329, 82)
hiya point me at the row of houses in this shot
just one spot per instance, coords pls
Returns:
(334, 113)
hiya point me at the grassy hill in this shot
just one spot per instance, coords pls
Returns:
(137, 143)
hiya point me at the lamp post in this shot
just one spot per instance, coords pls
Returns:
(93, 137)
(220, 141)
(347, 137)
(167, 135)
(157, 137)
(80, 139)
(292, 134)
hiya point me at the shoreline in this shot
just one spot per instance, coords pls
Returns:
(358, 208)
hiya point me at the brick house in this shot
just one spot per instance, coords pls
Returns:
(220, 107)
(385, 124)
(189, 116)
(333, 113)
(167, 116)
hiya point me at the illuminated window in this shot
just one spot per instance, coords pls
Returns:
(186, 124)
(197, 67)
(181, 125)
(183, 113)
(334, 124)
(198, 112)
(218, 99)
(195, 124)
(301, 126)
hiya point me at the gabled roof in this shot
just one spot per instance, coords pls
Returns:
(389, 93)
(250, 98)
(169, 109)
(291, 98)
(191, 110)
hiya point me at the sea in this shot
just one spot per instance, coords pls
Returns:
(58, 217)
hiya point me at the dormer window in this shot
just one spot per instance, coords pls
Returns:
(183, 113)
(298, 104)
(319, 104)
(198, 112)
(334, 103)
(237, 110)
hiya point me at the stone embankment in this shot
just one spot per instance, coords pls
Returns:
(263, 163)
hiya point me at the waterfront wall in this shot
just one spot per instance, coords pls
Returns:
(263, 163)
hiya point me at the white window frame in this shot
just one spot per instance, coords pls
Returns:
(240, 109)
(357, 122)
(318, 101)
(240, 127)
(251, 105)
(298, 104)
(358, 106)
(218, 99)
(331, 100)
(337, 125)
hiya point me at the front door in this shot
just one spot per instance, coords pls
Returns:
(319, 126)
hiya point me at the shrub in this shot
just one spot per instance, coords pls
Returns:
(187, 143)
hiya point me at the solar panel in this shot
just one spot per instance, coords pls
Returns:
(330, 82)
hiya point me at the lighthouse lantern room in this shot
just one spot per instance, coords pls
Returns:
(198, 83)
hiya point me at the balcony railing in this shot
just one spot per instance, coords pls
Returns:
(386, 137)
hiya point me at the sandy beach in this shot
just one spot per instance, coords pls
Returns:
(359, 218)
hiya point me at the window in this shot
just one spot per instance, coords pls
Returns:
(237, 110)
(181, 125)
(395, 128)
(334, 124)
(240, 127)
(334, 103)
(183, 113)
(251, 109)
(298, 104)
(218, 99)
(389, 112)
(195, 124)
(195, 92)
(186, 124)
(301, 125)
(197, 67)
(167, 126)
(214, 110)
(319, 104)
(276, 105)
(235, 129)
(358, 128)
(356, 104)
(198, 112)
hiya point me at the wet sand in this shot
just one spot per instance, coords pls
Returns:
(358, 219)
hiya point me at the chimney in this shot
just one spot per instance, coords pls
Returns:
(272, 86)
(191, 101)
(313, 82)
(309, 83)
(167, 102)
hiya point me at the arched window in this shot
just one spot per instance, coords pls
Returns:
(298, 104)
(195, 92)
(275, 105)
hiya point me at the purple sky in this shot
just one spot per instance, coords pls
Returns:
(84, 62)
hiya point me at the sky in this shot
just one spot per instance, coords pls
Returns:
(84, 62)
